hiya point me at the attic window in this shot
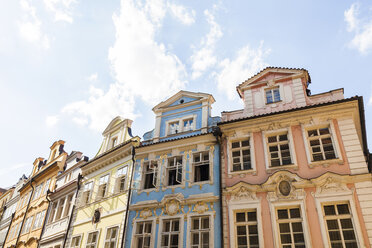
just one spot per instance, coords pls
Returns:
(182, 101)
(114, 142)
(272, 95)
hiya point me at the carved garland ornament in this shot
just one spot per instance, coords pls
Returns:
(200, 207)
(172, 207)
(145, 213)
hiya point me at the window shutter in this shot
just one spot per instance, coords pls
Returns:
(179, 173)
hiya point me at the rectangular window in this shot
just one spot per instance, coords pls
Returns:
(39, 219)
(321, 144)
(87, 193)
(272, 95)
(27, 225)
(279, 150)
(188, 125)
(150, 172)
(170, 233)
(201, 166)
(68, 206)
(103, 186)
(246, 229)
(241, 155)
(200, 232)
(110, 240)
(37, 191)
(174, 127)
(290, 228)
(60, 209)
(114, 142)
(47, 184)
(174, 170)
(53, 209)
(339, 225)
(143, 234)
(92, 240)
(120, 179)
(75, 242)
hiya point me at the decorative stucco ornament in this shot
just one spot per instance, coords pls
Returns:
(96, 216)
(200, 207)
(284, 188)
(145, 213)
(172, 207)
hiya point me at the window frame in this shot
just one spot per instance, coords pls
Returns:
(180, 122)
(153, 229)
(181, 227)
(330, 198)
(334, 139)
(107, 187)
(239, 137)
(235, 211)
(189, 223)
(167, 168)
(80, 239)
(271, 89)
(98, 231)
(145, 172)
(193, 170)
(117, 235)
(83, 193)
(119, 177)
(288, 131)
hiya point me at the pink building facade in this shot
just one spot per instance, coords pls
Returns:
(294, 166)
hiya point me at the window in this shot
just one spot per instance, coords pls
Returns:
(39, 219)
(279, 150)
(174, 127)
(110, 240)
(92, 240)
(181, 125)
(37, 191)
(75, 242)
(120, 179)
(321, 144)
(246, 229)
(188, 125)
(201, 166)
(150, 174)
(87, 193)
(114, 142)
(47, 184)
(60, 205)
(143, 234)
(170, 233)
(200, 230)
(53, 209)
(241, 155)
(339, 225)
(290, 227)
(68, 206)
(103, 186)
(272, 95)
(27, 225)
(174, 170)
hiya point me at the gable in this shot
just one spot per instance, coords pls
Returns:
(183, 99)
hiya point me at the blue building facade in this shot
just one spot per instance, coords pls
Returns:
(175, 198)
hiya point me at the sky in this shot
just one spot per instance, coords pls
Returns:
(68, 67)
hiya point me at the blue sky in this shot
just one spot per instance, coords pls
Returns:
(67, 67)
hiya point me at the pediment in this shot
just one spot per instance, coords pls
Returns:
(184, 98)
(116, 121)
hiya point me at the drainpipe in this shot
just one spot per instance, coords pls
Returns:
(129, 198)
(73, 209)
(28, 205)
(44, 223)
(217, 133)
(10, 224)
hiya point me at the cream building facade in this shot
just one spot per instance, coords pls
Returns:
(103, 198)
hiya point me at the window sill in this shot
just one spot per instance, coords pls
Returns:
(288, 166)
(326, 163)
(173, 187)
(242, 173)
(271, 103)
(200, 184)
(147, 191)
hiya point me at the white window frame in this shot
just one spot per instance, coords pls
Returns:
(72, 238)
(192, 167)
(117, 235)
(320, 200)
(97, 242)
(240, 137)
(37, 192)
(178, 168)
(211, 227)
(289, 204)
(40, 216)
(292, 150)
(180, 122)
(334, 139)
(47, 185)
(83, 202)
(244, 205)
(156, 172)
(152, 236)
(28, 224)
(180, 217)
(99, 195)
(121, 173)
(271, 89)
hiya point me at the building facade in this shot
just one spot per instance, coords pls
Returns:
(9, 209)
(176, 186)
(62, 203)
(103, 197)
(28, 221)
(295, 166)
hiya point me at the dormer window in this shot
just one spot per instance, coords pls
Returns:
(174, 127)
(188, 125)
(181, 125)
(272, 95)
(114, 142)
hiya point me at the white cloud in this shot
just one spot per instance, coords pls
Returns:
(93, 77)
(205, 57)
(361, 28)
(7, 169)
(51, 120)
(30, 25)
(62, 9)
(184, 15)
(232, 72)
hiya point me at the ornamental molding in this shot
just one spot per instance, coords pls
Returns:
(242, 191)
(172, 207)
(146, 213)
(200, 207)
(332, 184)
